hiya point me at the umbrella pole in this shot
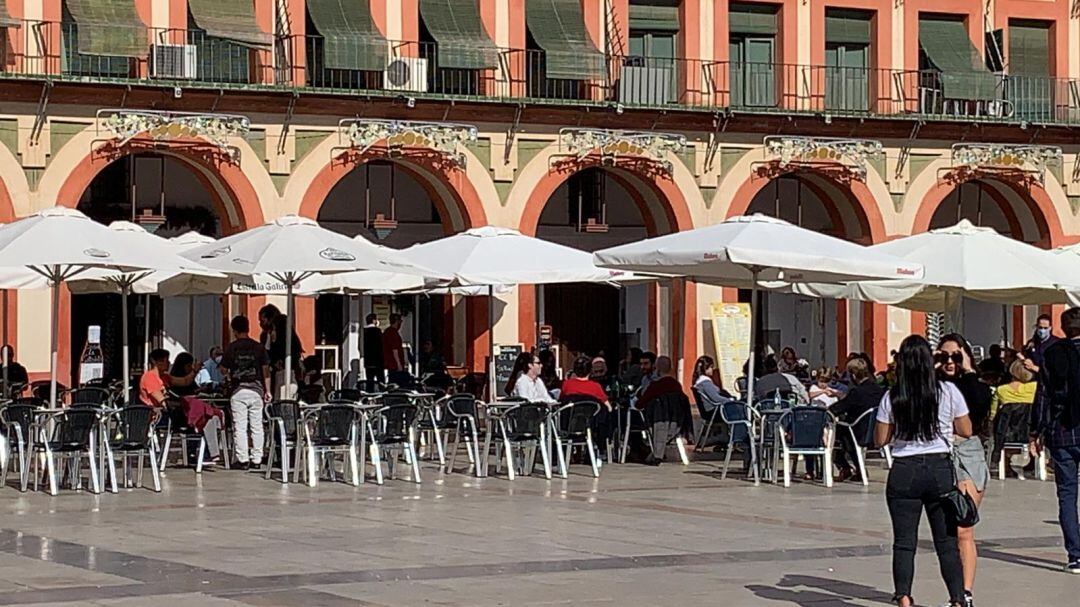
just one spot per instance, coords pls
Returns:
(127, 354)
(55, 338)
(491, 343)
(146, 330)
(5, 330)
(289, 280)
(416, 335)
(753, 355)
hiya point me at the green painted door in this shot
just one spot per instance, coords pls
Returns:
(655, 51)
(847, 82)
(753, 74)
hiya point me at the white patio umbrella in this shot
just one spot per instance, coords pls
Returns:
(746, 250)
(61, 243)
(101, 280)
(292, 249)
(964, 261)
(494, 257)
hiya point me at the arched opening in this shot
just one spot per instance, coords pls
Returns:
(169, 197)
(1009, 208)
(590, 209)
(822, 331)
(393, 204)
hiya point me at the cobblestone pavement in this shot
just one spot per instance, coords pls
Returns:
(636, 536)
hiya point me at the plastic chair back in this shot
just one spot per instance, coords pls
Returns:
(392, 423)
(333, 425)
(288, 411)
(132, 427)
(41, 389)
(1011, 424)
(73, 429)
(20, 414)
(864, 429)
(575, 419)
(460, 405)
(523, 421)
(89, 396)
(807, 427)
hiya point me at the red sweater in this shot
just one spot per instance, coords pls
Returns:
(576, 386)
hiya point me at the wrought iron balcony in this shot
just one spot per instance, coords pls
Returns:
(416, 69)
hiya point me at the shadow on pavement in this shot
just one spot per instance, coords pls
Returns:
(813, 591)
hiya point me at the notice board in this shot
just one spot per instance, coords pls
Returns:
(731, 334)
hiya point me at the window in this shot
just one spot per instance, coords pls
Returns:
(650, 68)
(752, 40)
(847, 59)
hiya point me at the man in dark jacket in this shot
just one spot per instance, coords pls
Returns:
(1055, 425)
(373, 359)
(865, 394)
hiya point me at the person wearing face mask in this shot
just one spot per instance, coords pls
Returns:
(1035, 348)
(210, 377)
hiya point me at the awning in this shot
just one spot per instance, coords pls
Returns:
(847, 27)
(109, 28)
(1029, 49)
(753, 19)
(656, 18)
(558, 26)
(6, 20)
(232, 20)
(456, 26)
(963, 71)
(351, 41)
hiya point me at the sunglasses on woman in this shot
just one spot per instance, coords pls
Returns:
(945, 358)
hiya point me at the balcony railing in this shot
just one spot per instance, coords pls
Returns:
(189, 57)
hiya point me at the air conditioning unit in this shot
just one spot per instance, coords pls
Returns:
(642, 85)
(174, 61)
(406, 74)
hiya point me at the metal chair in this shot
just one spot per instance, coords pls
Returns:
(708, 419)
(352, 395)
(571, 425)
(807, 431)
(92, 396)
(437, 423)
(174, 423)
(462, 409)
(1011, 433)
(522, 427)
(329, 430)
(861, 431)
(17, 418)
(634, 422)
(284, 417)
(393, 427)
(742, 422)
(73, 435)
(129, 433)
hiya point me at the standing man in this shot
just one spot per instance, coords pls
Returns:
(1035, 348)
(1055, 425)
(393, 351)
(373, 359)
(248, 368)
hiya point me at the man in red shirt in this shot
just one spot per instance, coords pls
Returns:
(393, 351)
(580, 387)
(152, 383)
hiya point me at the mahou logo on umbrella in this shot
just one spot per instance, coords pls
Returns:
(336, 255)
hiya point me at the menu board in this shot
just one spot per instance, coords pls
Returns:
(731, 333)
(504, 363)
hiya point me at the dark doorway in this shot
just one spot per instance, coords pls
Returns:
(584, 318)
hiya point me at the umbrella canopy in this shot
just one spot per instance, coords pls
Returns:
(292, 249)
(729, 254)
(491, 256)
(61, 243)
(747, 250)
(965, 261)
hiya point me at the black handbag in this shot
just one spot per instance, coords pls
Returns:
(958, 504)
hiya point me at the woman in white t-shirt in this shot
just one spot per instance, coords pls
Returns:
(919, 418)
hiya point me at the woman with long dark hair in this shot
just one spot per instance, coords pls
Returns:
(919, 418)
(525, 382)
(954, 362)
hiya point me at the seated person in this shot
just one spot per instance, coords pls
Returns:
(525, 382)
(1020, 389)
(668, 418)
(865, 394)
(209, 377)
(707, 384)
(774, 381)
(311, 384)
(821, 392)
(580, 386)
(181, 378)
(17, 378)
(152, 384)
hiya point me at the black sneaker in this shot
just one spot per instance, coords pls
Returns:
(239, 466)
(1073, 567)
(969, 601)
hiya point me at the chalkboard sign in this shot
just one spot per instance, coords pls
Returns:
(504, 364)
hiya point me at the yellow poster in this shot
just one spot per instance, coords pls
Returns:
(731, 333)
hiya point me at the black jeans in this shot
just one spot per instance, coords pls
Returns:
(917, 483)
(1066, 461)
